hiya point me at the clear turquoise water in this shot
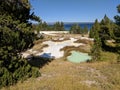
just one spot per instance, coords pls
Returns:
(78, 57)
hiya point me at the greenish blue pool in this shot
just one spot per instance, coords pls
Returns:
(78, 57)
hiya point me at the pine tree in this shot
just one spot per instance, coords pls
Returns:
(116, 32)
(44, 26)
(96, 48)
(85, 30)
(75, 29)
(58, 26)
(91, 33)
(15, 36)
(117, 17)
(106, 28)
(95, 27)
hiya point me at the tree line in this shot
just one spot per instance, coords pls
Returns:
(76, 29)
(59, 26)
(43, 26)
(103, 31)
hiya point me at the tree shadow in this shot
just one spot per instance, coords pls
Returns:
(40, 61)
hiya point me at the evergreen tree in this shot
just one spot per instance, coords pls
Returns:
(15, 36)
(105, 31)
(95, 27)
(85, 30)
(91, 33)
(96, 48)
(116, 32)
(44, 26)
(58, 26)
(75, 29)
(117, 17)
(106, 28)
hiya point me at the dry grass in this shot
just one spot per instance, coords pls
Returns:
(38, 41)
(39, 47)
(84, 41)
(64, 75)
(109, 57)
(60, 40)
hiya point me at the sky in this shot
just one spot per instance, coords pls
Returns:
(74, 10)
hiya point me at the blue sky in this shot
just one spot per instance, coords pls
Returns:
(74, 10)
